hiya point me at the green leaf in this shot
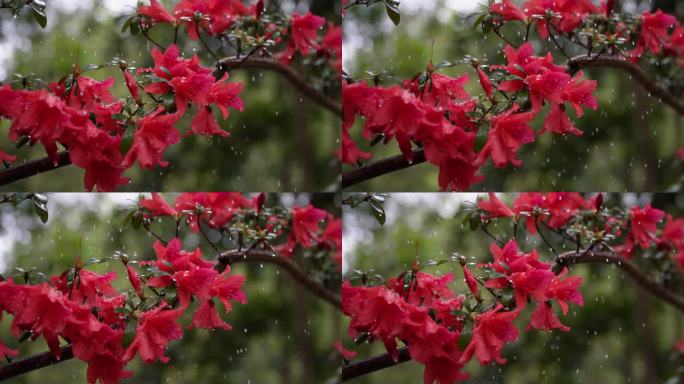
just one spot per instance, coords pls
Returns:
(378, 211)
(40, 17)
(41, 211)
(137, 219)
(392, 9)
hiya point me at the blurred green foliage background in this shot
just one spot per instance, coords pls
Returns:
(281, 142)
(629, 143)
(621, 335)
(283, 335)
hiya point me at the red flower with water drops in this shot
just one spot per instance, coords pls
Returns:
(156, 12)
(508, 10)
(643, 225)
(654, 29)
(494, 207)
(156, 328)
(485, 82)
(155, 132)
(306, 224)
(304, 29)
(158, 206)
(5, 351)
(470, 280)
(134, 278)
(207, 317)
(509, 131)
(565, 290)
(493, 329)
(544, 318)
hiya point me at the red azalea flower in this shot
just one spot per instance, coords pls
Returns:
(673, 233)
(427, 290)
(132, 86)
(470, 280)
(493, 329)
(155, 132)
(6, 157)
(486, 83)
(156, 328)
(644, 222)
(156, 12)
(134, 278)
(654, 29)
(305, 224)
(207, 317)
(225, 94)
(565, 290)
(158, 206)
(509, 131)
(348, 152)
(5, 351)
(544, 318)
(218, 208)
(304, 30)
(204, 123)
(508, 10)
(345, 353)
(494, 207)
(228, 289)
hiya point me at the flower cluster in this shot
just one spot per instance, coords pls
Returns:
(422, 311)
(435, 112)
(307, 227)
(107, 326)
(657, 33)
(444, 329)
(81, 115)
(84, 308)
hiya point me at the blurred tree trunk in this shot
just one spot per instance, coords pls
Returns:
(648, 350)
(645, 144)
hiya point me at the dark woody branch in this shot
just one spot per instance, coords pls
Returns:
(381, 167)
(268, 256)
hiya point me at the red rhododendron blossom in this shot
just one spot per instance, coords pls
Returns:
(544, 318)
(156, 328)
(225, 94)
(306, 224)
(486, 83)
(345, 353)
(156, 12)
(470, 280)
(509, 132)
(217, 16)
(494, 207)
(207, 317)
(654, 29)
(565, 290)
(158, 206)
(6, 351)
(7, 158)
(508, 10)
(134, 278)
(644, 222)
(426, 289)
(493, 329)
(213, 209)
(304, 34)
(132, 86)
(204, 123)
(155, 132)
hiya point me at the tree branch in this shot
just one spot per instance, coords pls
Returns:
(576, 63)
(33, 168)
(267, 256)
(372, 364)
(604, 257)
(380, 168)
(30, 363)
(229, 64)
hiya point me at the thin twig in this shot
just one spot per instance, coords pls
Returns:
(268, 256)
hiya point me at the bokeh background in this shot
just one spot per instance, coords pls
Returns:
(621, 335)
(283, 335)
(629, 143)
(281, 142)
